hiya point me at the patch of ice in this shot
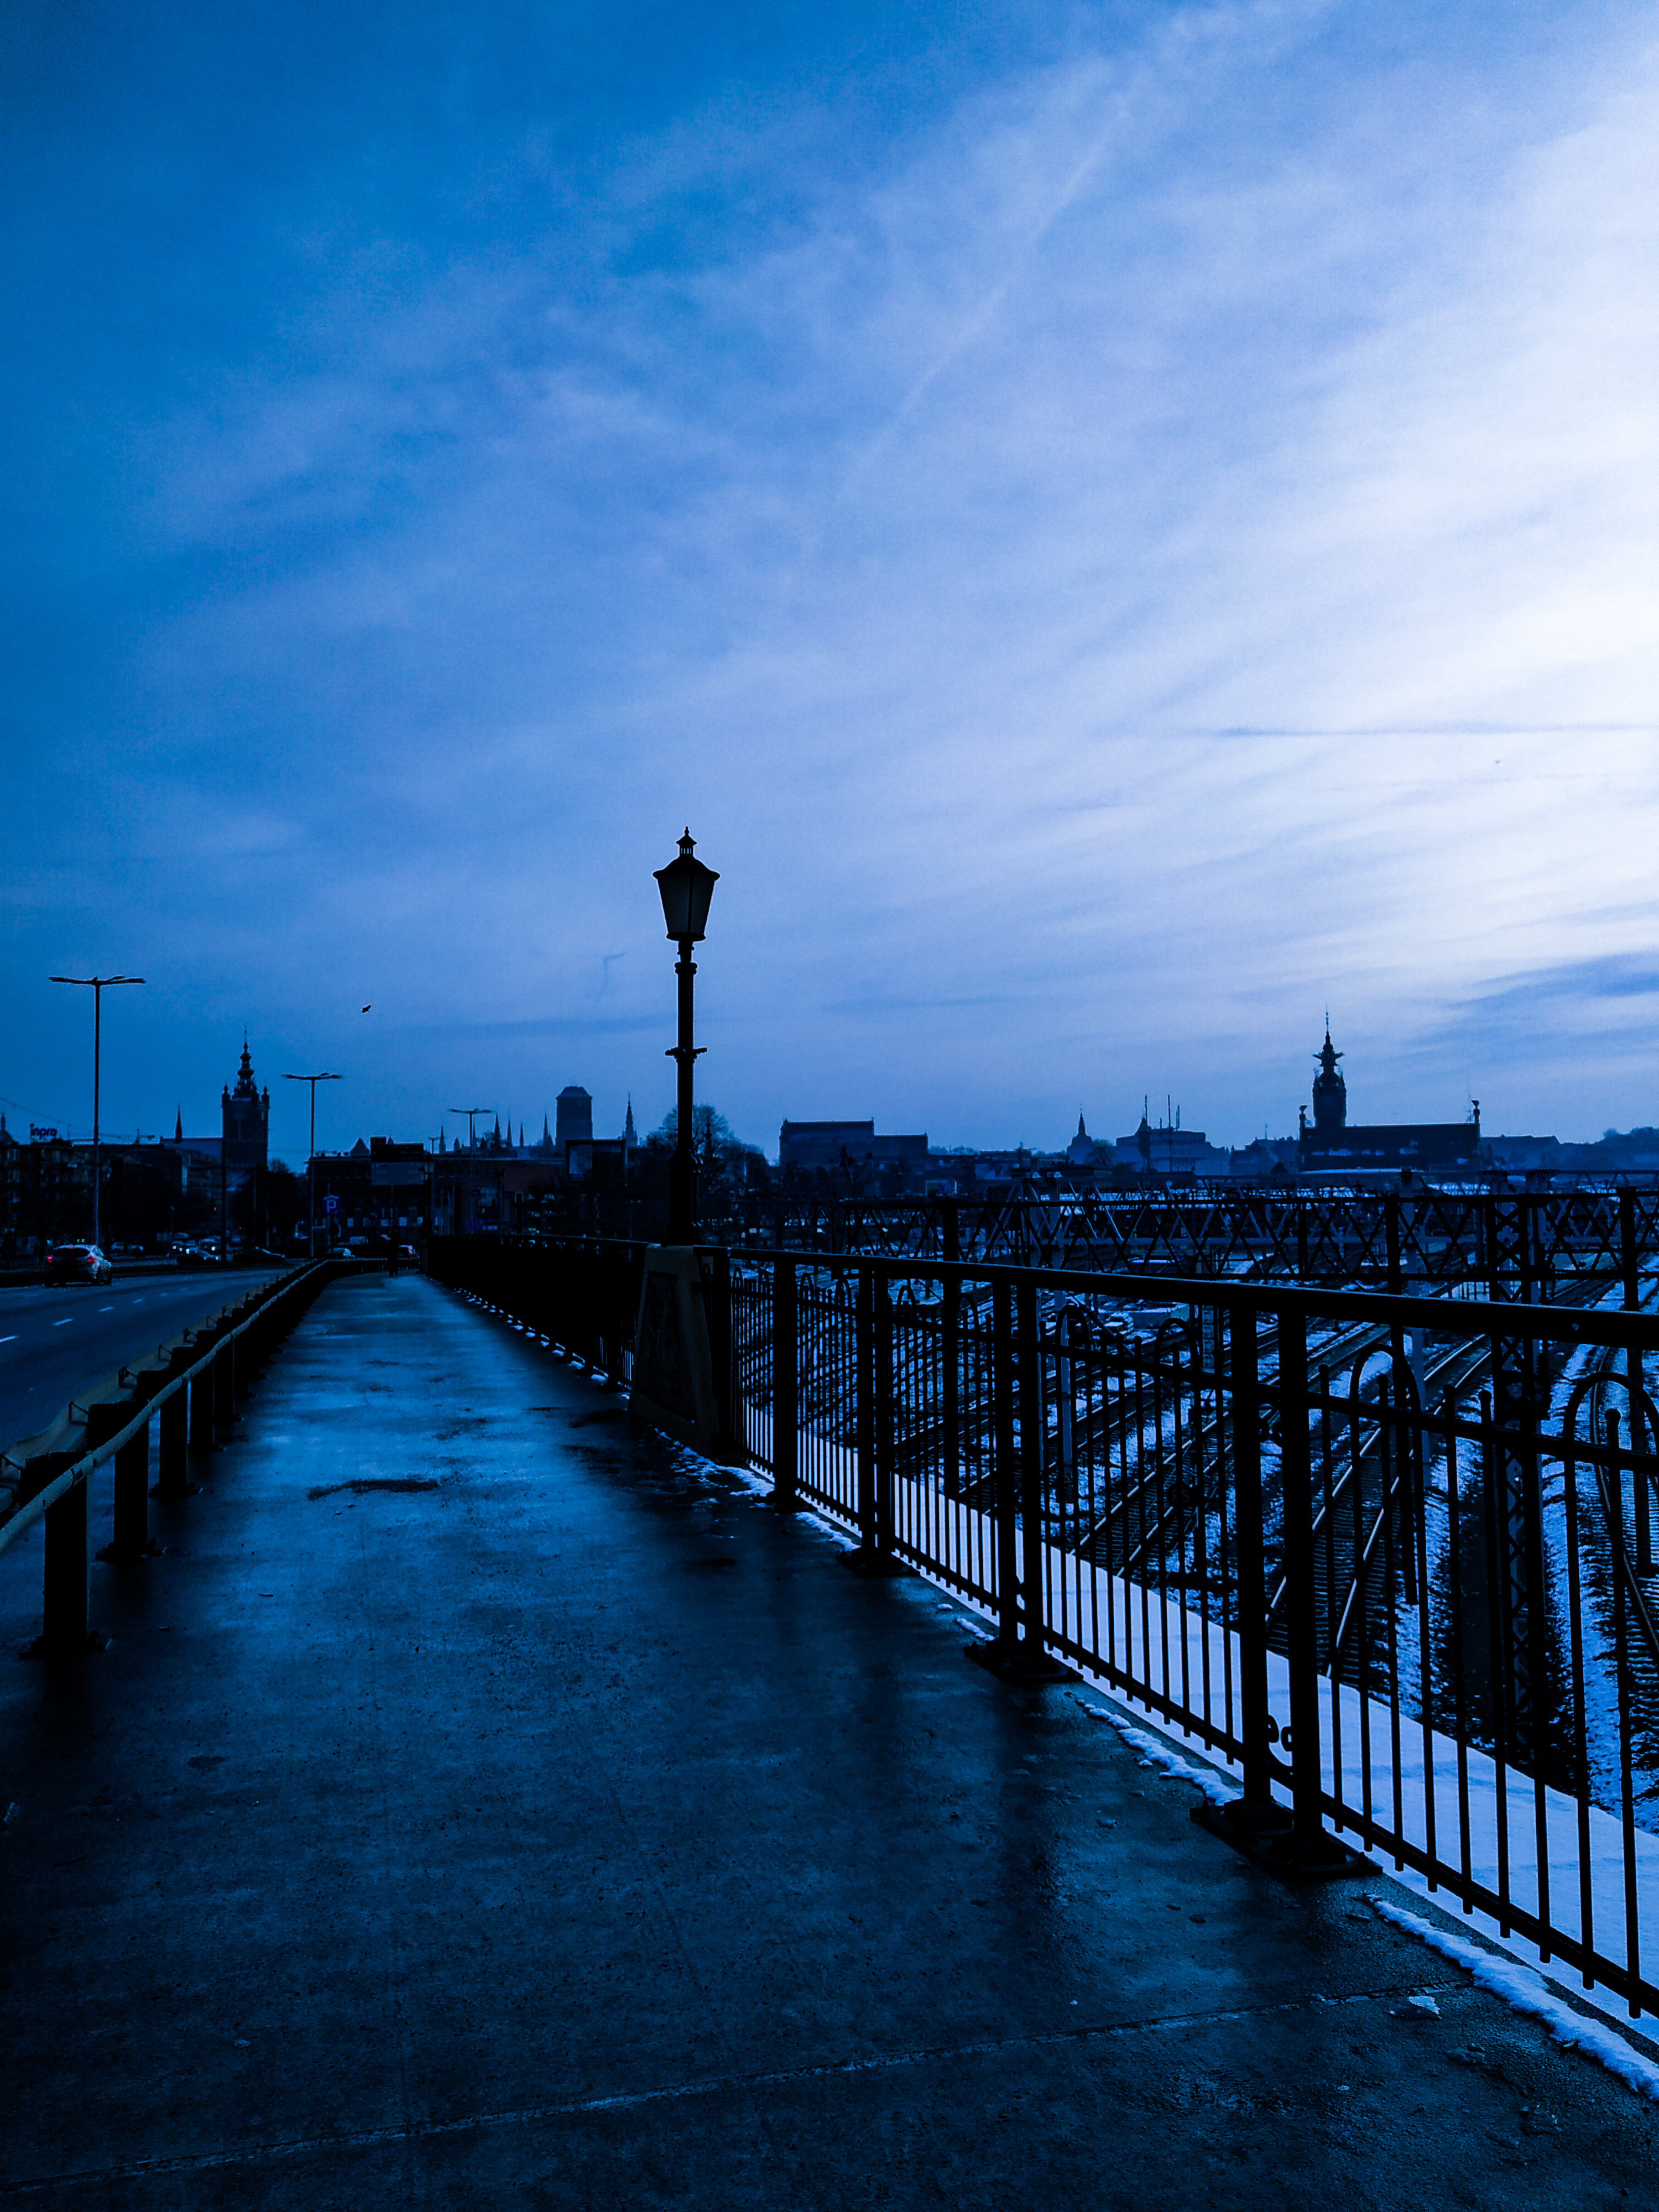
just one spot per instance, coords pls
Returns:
(1525, 1991)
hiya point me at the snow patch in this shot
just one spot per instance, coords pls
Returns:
(1525, 1991)
(1156, 1753)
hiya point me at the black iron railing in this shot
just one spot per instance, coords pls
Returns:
(1392, 1558)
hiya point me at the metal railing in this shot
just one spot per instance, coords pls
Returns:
(1393, 1557)
(190, 1393)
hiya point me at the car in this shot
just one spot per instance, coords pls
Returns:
(78, 1263)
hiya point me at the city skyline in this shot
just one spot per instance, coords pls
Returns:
(525, 1129)
(1117, 529)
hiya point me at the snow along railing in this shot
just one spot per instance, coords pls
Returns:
(1384, 1554)
(190, 1393)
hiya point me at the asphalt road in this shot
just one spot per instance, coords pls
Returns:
(53, 1343)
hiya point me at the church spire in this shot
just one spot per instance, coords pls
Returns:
(1330, 1089)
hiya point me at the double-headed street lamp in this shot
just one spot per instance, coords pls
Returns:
(311, 1157)
(687, 887)
(97, 985)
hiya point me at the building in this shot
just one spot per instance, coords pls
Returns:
(852, 1154)
(1168, 1152)
(1336, 1149)
(379, 1188)
(573, 1119)
(245, 1122)
(45, 1191)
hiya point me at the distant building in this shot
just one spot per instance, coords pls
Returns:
(1528, 1154)
(574, 1124)
(832, 1147)
(245, 1122)
(1330, 1091)
(1336, 1150)
(1170, 1151)
(379, 1188)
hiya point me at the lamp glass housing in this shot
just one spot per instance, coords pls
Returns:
(687, 887)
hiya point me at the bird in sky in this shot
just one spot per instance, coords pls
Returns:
(370, 1003)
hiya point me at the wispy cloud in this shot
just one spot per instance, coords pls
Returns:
(1164, 540)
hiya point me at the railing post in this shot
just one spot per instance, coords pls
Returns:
(1005, 1487)
(864, 1338)
(201, 1408)
(1257, 1812)
(786, 1387)
(63, 1626)
(130, 1539)
(1033, 1430)
(1628, 1249)
(223, 1371)
(170, 1454)
(873, 1323)
(884, 1413)
(1307, 1848)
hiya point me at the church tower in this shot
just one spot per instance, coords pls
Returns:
(1330, 1091)
(244, 1119)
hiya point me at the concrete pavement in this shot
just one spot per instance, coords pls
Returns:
(481, 1805)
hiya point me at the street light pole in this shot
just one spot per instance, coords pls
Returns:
(98, 985)
(686, 886)
(311, 1156)
(471, 1113)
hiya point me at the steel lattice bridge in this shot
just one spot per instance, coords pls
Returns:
(1543, 1247)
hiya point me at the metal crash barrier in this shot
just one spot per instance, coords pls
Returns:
(190, 1391)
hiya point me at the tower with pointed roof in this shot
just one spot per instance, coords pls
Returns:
(244, 1119)
(1330, 1091)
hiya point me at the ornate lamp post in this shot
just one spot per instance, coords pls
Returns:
(687, 887)
(98, 985)
(311, 1157)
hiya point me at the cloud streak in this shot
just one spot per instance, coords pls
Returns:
(1106, 562)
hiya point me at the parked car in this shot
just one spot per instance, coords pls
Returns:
(78, 1263)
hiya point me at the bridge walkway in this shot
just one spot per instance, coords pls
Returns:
(479, 1804)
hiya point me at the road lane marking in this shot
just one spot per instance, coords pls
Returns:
(8, 1340)
(106, 1310)
(64, 1323)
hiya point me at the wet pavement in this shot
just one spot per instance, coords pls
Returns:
(479, 1804)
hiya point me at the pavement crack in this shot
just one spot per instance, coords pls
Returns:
(422, 2131)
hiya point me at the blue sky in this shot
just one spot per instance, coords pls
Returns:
(1117, 526)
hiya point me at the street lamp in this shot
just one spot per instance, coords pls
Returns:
(311, 1157)
(471, 1113)
(98, 985)
(687, 887)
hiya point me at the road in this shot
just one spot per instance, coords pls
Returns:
(53, 1343)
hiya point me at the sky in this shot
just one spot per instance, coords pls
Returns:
(1119, 528)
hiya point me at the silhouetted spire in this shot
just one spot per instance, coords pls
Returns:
(1330, 1090)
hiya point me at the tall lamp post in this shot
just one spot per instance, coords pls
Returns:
(471, 1113)
(687, 887)
(311, 1156)
(97, 985)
